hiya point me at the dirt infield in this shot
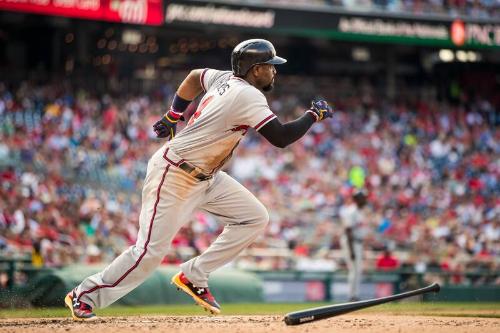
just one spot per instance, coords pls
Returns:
(382, 323)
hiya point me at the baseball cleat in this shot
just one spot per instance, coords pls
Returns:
(202, 296)
(79, 310)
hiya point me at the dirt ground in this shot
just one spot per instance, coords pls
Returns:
(375, 323)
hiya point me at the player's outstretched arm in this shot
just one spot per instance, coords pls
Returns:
(189, 89)
(281, 135)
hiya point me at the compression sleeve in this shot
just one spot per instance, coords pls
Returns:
(281, 135)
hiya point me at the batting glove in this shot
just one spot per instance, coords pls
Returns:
(320, 110)
(166, 126)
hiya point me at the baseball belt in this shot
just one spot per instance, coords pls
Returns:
(192, 171)
(186, 166)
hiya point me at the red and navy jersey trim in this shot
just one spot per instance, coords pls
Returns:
(170, 161)
(202, 79)
(265, 121)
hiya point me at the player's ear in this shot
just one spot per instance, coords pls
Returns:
(258, 69)
(254, 70)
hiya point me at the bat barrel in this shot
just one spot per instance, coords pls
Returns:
(304, 316)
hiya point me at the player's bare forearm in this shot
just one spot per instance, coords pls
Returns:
(191, 87)
(281, 135)
(188, 90)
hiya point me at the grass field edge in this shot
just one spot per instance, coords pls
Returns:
(478, 310)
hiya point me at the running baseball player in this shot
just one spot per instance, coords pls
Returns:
(351, 242)
(184, 175)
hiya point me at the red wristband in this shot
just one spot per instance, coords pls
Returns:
(174, 114)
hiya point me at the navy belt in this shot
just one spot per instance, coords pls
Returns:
(187, 167)
(192, 171)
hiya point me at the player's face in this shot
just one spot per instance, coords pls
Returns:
(265, 80)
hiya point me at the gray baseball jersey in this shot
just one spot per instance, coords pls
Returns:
(230, 106)
(351, 217)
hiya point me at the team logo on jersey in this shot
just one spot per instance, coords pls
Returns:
(243, 128)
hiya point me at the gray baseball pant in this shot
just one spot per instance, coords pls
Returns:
(169, 197)
(354, 267)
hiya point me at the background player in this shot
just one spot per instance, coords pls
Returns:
(352, 243)
(184, 175)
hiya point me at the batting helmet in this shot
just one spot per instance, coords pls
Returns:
(253, 52)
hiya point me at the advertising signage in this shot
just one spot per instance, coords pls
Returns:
(148, 12)
(220, 15)
(340, 25)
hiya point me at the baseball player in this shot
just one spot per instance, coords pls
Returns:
(351, 242)
(184, 175)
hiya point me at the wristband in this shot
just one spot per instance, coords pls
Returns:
(173, 116)
(179, 104)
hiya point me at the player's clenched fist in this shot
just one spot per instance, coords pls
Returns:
(166, 126)
(320, 110)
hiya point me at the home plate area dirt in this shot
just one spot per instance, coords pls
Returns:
(372, 322)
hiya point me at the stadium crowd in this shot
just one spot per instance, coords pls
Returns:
(471, 8)
(72, 163)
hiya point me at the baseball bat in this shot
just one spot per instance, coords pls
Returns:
(323, 312)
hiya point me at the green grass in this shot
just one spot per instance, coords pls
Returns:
(489, 310)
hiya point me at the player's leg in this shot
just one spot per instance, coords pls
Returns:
(245, 218)
(357, 268)
(165, 208)
(351, 272)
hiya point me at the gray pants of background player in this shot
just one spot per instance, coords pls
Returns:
(169, 197)
(354, 266)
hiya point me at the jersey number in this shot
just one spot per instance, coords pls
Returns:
(222, 88)
(202, 105)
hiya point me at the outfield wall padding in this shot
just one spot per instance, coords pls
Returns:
(449, 293)
(227, 285)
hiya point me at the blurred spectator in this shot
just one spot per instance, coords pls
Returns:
(387, 261)
(36, 255)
